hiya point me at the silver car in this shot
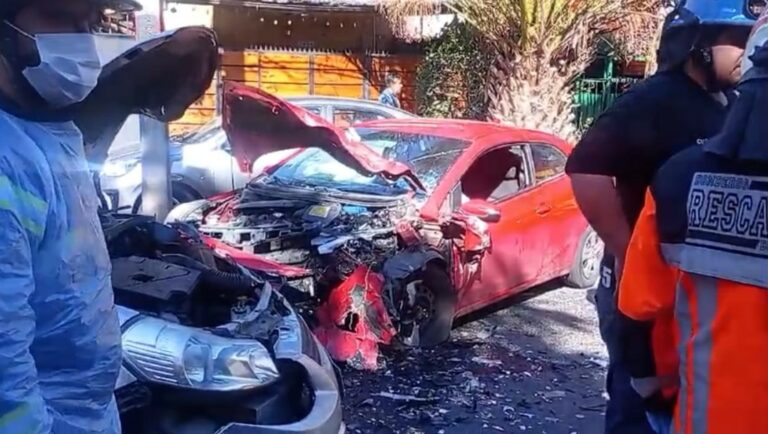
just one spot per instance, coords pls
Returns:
(201, 162)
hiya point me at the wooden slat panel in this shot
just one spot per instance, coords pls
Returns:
(341, 77)
(240, 58)
(339, 61)
(197, 116)
(240, 73)
(287, 76)
(398, 63)
(343, 90)
(176, 128)
(286, 89)
(208, 101)
(284, 68)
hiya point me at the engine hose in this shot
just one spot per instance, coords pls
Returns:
(235, 284)
(232, 284)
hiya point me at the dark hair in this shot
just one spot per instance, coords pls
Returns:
(392, 78)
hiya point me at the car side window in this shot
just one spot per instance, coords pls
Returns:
(548, 161)
(315, 109)
(347, 116)
(497, 175)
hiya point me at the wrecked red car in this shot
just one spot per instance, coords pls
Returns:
(402, 225)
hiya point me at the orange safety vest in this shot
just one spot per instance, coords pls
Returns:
(721, 322)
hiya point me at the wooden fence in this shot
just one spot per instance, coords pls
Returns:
(302, 73)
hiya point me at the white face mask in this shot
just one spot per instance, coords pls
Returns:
(69, 66)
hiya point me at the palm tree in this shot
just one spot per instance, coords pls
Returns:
(539, 47)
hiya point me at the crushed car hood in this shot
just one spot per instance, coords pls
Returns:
(158, 78)
(257, 123)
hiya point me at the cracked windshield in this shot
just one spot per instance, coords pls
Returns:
(428, 156)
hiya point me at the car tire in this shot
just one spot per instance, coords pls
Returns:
(180, 193)
(437, 328)
(585, 271)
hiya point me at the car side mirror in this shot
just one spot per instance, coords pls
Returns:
(482, 209)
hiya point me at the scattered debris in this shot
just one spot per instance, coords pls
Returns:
(554, 394)
(486, 362)
(407, 398)
(507, 383)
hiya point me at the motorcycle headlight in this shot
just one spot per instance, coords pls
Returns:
(117, 168)
(172, 354)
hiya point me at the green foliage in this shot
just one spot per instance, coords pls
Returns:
(451, 79)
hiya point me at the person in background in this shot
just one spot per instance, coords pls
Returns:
(59, 329)
(700, 250)
(391, 95)
(684, 103)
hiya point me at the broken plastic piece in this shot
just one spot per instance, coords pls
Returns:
(354, 320)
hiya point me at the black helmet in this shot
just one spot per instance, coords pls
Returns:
(684, 27)
(8, 8)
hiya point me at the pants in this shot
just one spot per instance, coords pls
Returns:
(660, 422)
(625, 413)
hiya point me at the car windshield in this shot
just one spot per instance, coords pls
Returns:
(429, 156)
(206, 132)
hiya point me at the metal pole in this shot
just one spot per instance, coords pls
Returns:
(155, 159)
(156, 167)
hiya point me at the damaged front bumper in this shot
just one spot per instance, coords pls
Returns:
(323, 378)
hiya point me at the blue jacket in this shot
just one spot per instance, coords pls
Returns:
(59, 331)
(389, 98)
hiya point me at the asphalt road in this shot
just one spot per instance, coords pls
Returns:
(536, 365)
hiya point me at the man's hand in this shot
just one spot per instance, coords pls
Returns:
(600, 203)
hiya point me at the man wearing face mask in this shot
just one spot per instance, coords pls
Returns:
(59, 331)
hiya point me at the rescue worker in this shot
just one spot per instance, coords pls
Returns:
(59, 331)
(700, 249)
(685, 102)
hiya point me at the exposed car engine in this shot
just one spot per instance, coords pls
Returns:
(368, 256)
(197, 324)
(327, 236)
(168, 271)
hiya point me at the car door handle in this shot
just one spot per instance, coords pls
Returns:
(543, 208)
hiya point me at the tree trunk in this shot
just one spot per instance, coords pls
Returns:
(525, 91)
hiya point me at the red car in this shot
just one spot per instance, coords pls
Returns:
(452, 215)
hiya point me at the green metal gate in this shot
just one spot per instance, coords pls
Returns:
(593, 95)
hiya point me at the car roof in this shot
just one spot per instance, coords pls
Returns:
(332, 99)
(337, 100)
(453, 128)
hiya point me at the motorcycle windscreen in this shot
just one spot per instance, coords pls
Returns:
(159, 78)
(258, 123)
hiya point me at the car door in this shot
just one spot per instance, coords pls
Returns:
(556, 209)
(515, 257)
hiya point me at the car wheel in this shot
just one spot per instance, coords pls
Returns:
(585, 271)
(426, 317)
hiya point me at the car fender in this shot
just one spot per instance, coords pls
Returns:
(405, 263)
(196, 179)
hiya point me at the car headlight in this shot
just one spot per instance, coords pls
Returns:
(190, 212)
(172, 354)
(117, 168)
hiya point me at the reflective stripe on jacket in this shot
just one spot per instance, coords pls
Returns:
(702, 250)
